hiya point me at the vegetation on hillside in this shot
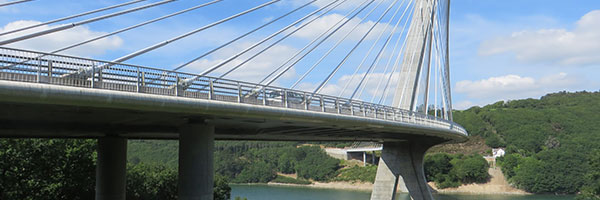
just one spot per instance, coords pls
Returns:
(550, 142)
(453, 170)
(260, 164)
(65, 169)
(474, 145)
(358, 174)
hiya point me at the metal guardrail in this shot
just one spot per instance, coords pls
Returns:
(39, 67)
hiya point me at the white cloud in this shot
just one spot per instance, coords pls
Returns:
(369, 91)
(511, 87)
(322, 24)
(253, 71)
(61, 39)
(578, 47)
(462, 105)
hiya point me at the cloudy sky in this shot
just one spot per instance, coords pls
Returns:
(499, 49)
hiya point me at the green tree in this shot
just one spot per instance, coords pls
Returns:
(317, 165)
(448, 170)
(494, 141)
(151, 181)
(47, 169)
(471, 169)
(155, 181)
(527, 176)
(591, 190)
(549, 141)
(65, 169)
(437, 165)
(222, 191)
(509, 163)
(259, 172)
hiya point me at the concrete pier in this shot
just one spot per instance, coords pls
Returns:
(111, 168)
(401, 164)
(196, 146)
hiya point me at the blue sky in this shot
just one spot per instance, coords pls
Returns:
(503, 50)
(499, 49)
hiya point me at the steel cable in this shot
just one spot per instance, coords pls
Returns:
(69, 17)
(69, 26)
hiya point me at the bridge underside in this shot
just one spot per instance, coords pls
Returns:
(39, 110)
(39, 120)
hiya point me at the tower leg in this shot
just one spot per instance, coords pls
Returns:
(196, 146)
(401, 163)
(110, 168)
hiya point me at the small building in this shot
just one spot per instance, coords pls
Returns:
(498, 152)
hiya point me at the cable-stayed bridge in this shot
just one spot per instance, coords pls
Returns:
(390, 59)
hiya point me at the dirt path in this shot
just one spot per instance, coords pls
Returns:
(497, 185)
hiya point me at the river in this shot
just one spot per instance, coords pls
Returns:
(269, 192)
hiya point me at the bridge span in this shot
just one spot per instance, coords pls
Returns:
(51, 95)
(128, 101)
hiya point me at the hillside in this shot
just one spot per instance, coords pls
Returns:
(552, 143)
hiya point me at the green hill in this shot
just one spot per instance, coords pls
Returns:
(552, 143)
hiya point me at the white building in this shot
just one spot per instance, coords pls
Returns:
(499, 152)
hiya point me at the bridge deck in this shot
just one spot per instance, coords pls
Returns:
(39, 93)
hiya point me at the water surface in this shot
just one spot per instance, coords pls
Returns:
(269, 192)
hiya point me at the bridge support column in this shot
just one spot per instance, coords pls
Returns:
(402, 162)
(196, 146)
(110, 168)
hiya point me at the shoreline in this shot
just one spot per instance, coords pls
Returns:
(496, 186)
(367, 187)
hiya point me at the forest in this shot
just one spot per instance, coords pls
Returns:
(64, 169)
(552, 143)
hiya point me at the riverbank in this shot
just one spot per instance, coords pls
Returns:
(332, 185)
(496, 185)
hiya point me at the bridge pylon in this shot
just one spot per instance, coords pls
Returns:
(401, 163)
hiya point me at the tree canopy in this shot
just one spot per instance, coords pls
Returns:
(549, 141)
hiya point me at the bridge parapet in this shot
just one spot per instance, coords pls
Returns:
(38, 67)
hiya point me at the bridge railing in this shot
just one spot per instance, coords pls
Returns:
(38, 67)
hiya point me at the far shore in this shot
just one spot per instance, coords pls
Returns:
(496, 185)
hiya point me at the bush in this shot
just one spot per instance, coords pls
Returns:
(454, 170)
(471, 169)
(356, 173)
